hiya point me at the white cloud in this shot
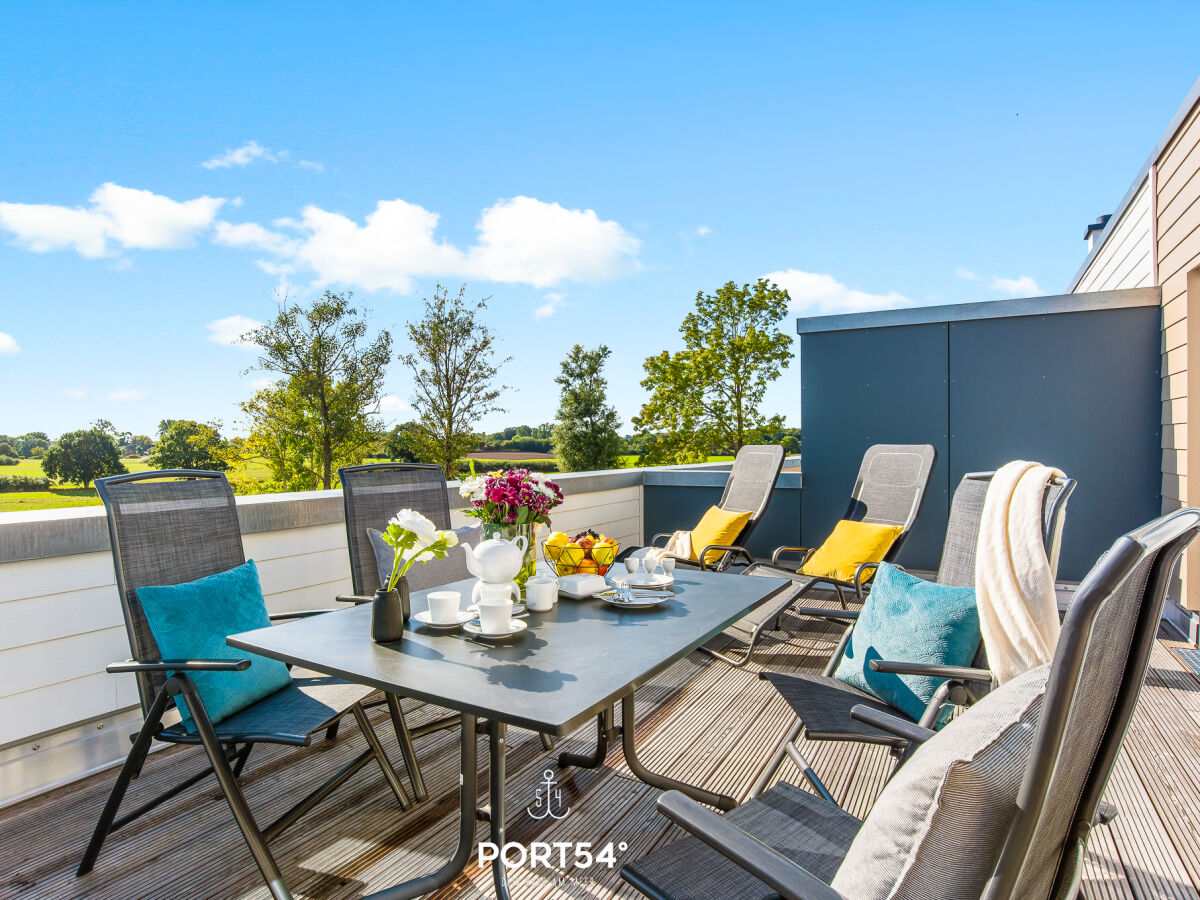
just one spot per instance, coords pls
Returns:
(261, 384)
(127, 395)
(229, 330)
(967, 274)
(75, 393)
(310, 165)
(390, 403)
(8, 344)
(821, 294)
(521, 241)
(550, 307)
(1021, 286)
(703, 231)
(241, 156)
(128, 217)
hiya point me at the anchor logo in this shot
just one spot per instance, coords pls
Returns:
(548, 799)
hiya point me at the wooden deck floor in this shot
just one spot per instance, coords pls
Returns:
(700, 720)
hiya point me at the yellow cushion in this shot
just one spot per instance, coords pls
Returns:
(850, 544)
(717, 527)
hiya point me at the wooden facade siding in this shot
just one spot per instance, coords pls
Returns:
(1175, 361)
(1126, 259)
(1174, 412)
(1175, 462)
(1174, 336)
(1181, 218)
(1174, 486)
(1174, 386)
(1174, 437)
(1174, 308)
(700, 720)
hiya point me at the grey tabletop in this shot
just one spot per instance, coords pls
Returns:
(569, 664)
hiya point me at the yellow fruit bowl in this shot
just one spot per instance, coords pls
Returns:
(570, 557)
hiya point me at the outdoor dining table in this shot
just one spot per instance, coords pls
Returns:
(573, 663)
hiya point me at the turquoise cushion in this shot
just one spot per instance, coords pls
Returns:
(192, 620)
(906, 619)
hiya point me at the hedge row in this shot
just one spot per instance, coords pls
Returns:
(8, 461)
(491, 465)
(24, 483)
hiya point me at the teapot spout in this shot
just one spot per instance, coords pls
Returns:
(470, 554)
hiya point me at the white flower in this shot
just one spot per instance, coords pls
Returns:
(473, 488)
(450, 537)
(412, 521)
(541, 488)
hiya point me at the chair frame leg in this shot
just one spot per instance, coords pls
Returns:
(385, 764)
(407, 750)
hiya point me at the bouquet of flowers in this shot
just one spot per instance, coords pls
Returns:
(515, 497)
(415, 539)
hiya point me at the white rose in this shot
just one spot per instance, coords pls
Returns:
(451, 538)
(413, 521)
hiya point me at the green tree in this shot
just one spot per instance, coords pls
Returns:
(453, 362)
(27, 442)
(399, 443)
(586, 435)
(334, 379)
(83, 456)
(189, 445)
(7, 449)
(707, 396)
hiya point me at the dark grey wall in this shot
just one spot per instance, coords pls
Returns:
(676, 500)
(1078, 390)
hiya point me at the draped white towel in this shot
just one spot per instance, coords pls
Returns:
(679, 546)
(1014, 578)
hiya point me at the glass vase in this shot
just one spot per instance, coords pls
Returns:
(509, 533)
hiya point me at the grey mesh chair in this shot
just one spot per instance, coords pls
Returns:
(889, 490)
(793, 844)
(748, 488)
(166, 532)
(822, 703)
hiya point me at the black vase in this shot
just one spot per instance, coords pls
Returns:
(389, 612)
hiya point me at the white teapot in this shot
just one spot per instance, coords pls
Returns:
(496, 560)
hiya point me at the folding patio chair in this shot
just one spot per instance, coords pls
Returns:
(171, 532)
(823, 703)
(749, 488)
(889, 490)
(998, 805)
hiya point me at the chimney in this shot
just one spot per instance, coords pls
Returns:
(1093, 231)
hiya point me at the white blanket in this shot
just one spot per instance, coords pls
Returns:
(1014, 578)
(679, 546)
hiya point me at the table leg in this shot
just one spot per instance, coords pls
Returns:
(604, 731)
(496, 742)
(720, 801)
(468, 799)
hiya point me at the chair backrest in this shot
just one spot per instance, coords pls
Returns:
(373, 493)
(890, 487)
(957, 566)
(749, 487)
(1095, 680)
(166, 532)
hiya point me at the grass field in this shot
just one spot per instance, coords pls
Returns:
(61, 497)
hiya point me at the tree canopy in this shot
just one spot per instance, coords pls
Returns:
(586, 436)
(189, 445)
(708, 395)
(83, 456)
(454, 369)
(324, 414)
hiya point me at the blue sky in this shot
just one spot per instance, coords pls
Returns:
(591, 167)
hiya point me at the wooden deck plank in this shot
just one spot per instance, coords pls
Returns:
(700, 721)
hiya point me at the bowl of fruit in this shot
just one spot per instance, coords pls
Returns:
(588, 553)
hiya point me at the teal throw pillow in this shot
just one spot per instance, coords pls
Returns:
(906, 619)
(192, 620)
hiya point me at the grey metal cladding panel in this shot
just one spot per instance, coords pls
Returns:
(1081, 392)
(873, 386)
(673, 508)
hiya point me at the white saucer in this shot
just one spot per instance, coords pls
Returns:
(516, 626)
(473, 609)
(426, 619)
(638, 603)
(639, 580)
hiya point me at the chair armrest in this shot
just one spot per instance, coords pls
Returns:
(861, 577)
(735, 549)
(178, 665)
(804, 552)
(790, 880)
(958, 673)
(352, 598)
(820, 612)
(910, 731)
(298, 614)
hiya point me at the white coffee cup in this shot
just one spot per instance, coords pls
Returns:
(540, 593)
(495, 616)
(443, 607)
